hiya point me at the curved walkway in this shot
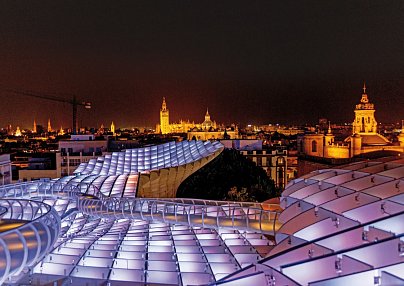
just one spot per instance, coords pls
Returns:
(28, 230)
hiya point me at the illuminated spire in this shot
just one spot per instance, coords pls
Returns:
(49, 126)
(18, 131)
(164, 118)
(34, 129)
(207, 116)
(113, 128)
(329, 128)
(164, 105)
(364, 100)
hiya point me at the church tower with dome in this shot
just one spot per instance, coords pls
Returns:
(207, 124)
(365, 122)
(364, 137)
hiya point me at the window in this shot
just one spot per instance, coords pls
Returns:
(313, 146)
(363, 125)
(268, 162)
(74, 162)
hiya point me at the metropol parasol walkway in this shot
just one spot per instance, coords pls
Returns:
(116, 221)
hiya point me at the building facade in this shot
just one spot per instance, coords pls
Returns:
(274, 162)
(279, 164)
(164, 118)
(212, 135)
(38, 169)
(5, 169)
(80, 149)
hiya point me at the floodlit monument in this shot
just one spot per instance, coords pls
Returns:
(165, 127)
(207, 130)
(364, 138)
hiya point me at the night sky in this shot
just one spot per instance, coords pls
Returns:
(247, 61)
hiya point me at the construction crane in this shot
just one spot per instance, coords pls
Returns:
(74, 102)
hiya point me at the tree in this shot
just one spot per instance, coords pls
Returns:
(231, 176)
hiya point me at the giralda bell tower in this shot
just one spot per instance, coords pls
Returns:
(164, 118)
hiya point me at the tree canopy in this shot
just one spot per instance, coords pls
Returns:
(230, 176)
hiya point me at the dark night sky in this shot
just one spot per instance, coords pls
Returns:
(248, 61)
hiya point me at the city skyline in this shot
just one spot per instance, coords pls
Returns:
(255, 63)
(45, 125)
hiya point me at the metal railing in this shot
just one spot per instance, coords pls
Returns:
(202, 213)
(46, 189)
(249, 216)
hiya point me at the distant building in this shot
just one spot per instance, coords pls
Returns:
(243, 144)
(9, 129)
(49, 126)
(206, 130)
(119, 145)
(38, 168)
(212, 134)
(61, 131)
(34, 127)
(164, 127)
(18, 131)
(113, 128)
(5, 169)
(274, 162)
(292, 165)
(252, 130)
(77, 150)
(364, 138)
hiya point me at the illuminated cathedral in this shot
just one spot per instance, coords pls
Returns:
(208, 129)
(364, 137)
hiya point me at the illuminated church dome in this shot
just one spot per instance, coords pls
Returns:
(207, 123)
(365, 123)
